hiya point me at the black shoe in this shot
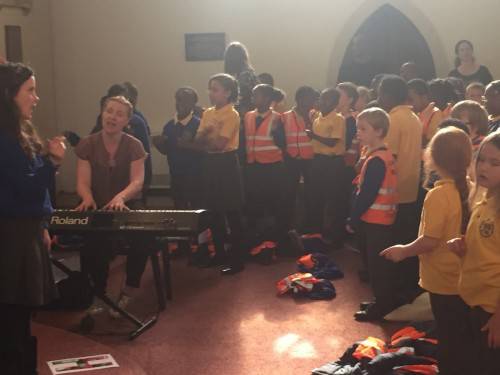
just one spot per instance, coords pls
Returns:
(232, 269)
(364, 305)
(215, 261)
(373, 313)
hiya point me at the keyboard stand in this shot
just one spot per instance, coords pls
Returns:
(87, 323)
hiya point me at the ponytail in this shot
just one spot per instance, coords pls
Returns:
(463, 189)
(450, 151)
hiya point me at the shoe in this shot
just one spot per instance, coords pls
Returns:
(123, 303)
(364, 305)
(232, 269)
(373, 313)
(97, 307)
(215, 261)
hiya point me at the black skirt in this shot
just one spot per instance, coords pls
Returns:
(25, 269)
(222, 182)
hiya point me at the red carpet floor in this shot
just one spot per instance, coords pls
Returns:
(236, 325)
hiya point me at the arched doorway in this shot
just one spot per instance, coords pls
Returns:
(381, 44)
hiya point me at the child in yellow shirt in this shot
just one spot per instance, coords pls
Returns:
(328, 168)
(218, 136)
(444, 217)
(479, 284)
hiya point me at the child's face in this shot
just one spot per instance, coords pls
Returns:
(464, 117)
(184, 104)
(418, 102)
(261, 102)
(488, 166)
(492, 97)
(475, 94)
(344, 100)
(361, 103)
(366, 134)
(385, 101)
(218, 95)
(308, 103)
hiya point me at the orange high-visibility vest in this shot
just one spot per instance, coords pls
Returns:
(447, 111)
(369, 348)
(426, 117)
(260, 144)
(383, 210)
(298, 143)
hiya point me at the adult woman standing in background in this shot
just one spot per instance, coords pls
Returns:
(466, 66)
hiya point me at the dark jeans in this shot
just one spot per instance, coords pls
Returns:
(18, 352)
(295, 170)
(327, 195)
(487, 360)
(98, 253)
(454, 351)
(372, 239)
(406, 231)
(220, 235)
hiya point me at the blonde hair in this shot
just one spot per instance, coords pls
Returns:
(364, 92)
(475, 85)
(450, 151)
(377, 118)
(122, 100)
(478, 117)
(494, 139)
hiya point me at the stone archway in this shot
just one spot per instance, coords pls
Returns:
(392, 20)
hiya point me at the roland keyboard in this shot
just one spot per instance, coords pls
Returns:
(155, 222)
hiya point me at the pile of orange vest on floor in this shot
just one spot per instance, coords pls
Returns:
(410, 351)
(313, 280)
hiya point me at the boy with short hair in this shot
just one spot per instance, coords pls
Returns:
(374, 211)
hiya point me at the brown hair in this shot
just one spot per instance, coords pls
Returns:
(377, 118)
(229, 83)
(450, 151)
(122, 100)
(494, 139)
(478, 117)
(12, 77)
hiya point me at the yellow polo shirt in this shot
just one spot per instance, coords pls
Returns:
(329, 126)
(404, 139)
(479, 283)
(222, 122)
(441, 219)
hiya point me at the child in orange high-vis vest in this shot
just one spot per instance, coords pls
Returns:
(444, 217)
(374, 210)
(428, 113)
(479, 284)
(299, 150)
(265, 171)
